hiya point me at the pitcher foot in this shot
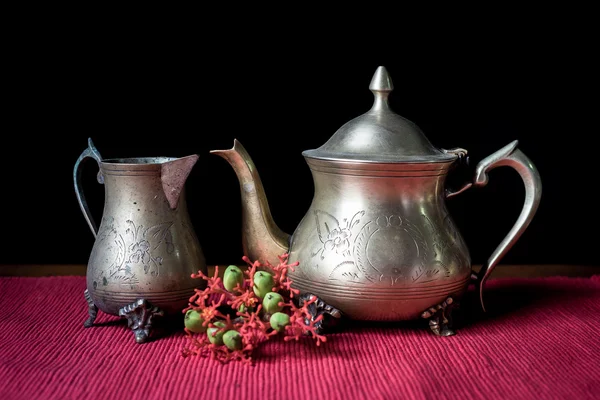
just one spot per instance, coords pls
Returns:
(92, 310)
(140, 317)
(330, 314)
(440, 317)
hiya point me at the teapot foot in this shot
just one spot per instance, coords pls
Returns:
(318, 307)
(92, 310)
(140, 315)
(440, 317)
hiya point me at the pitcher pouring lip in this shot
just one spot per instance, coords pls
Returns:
(173, 176)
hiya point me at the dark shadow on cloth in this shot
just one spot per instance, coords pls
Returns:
(502, 298)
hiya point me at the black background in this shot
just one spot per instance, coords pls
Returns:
(148, 89)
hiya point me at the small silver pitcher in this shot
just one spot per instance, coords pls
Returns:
(146, 248)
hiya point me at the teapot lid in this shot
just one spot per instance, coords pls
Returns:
(380, 135)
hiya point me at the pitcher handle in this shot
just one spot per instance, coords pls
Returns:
(90, 152)
(512, 157)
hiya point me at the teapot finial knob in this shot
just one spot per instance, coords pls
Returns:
(381, 86)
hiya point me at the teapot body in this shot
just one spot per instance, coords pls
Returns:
(144, 249)
(378, 242)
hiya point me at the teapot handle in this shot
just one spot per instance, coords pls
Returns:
(512, 157)
(90, 152)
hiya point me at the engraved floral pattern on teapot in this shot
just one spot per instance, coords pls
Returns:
(354, 241)
(333, 236)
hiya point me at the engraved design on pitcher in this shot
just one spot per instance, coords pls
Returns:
(141, 249)
(137, 247)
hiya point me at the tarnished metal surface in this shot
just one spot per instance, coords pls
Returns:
(319, 309)
(92, 310)
(141, 316)
(261, 237)
(509, 156)
(440, 317)
(89, 152)
(173, 176)
(145, 247)
(377, 242)
(380, 134)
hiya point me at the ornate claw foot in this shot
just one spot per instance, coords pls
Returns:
(92, 310)
(319, 307)
(140, 317)
(440, 318)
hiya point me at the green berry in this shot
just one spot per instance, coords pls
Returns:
(232, 277)
(243, 308)
(279, 321)
(193, 321)
(263, 283)
(218, 337)
(233, 340)
(271, 302)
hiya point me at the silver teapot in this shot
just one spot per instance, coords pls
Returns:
(377, 242)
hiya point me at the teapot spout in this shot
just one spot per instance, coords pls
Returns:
(173, 175)
(261, 238)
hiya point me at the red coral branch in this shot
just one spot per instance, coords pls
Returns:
(245, 297)
(298, 326)
(215, 303)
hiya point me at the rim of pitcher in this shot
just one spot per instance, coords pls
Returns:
(138, 160)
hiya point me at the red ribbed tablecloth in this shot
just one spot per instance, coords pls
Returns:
(540, 339)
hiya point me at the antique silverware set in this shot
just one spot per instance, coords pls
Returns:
(377, 242)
